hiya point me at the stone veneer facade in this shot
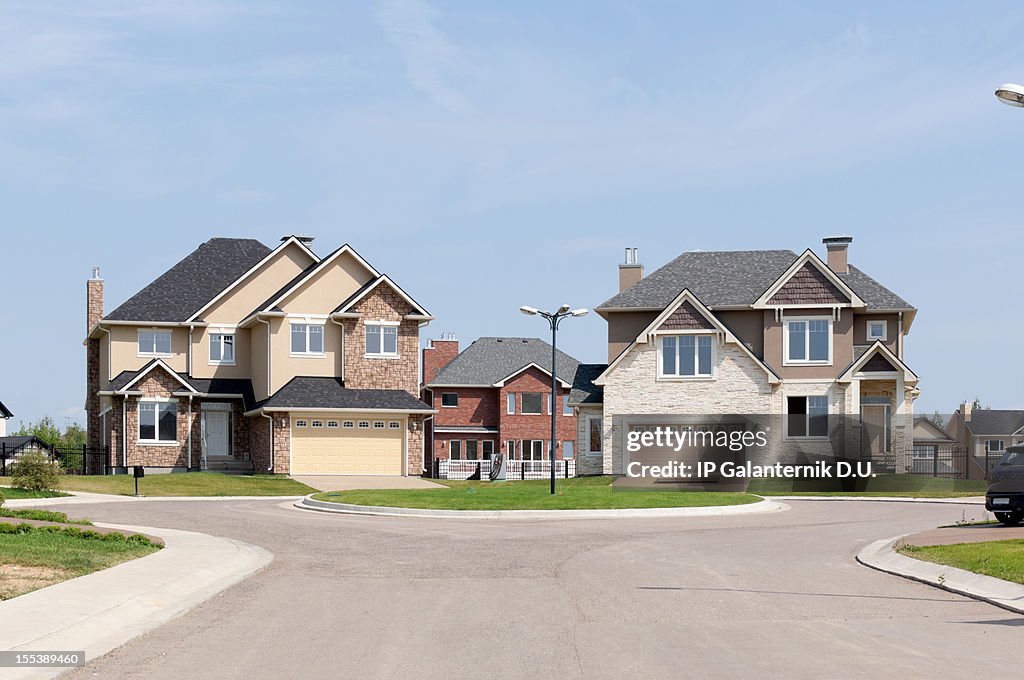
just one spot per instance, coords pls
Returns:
(362, 372)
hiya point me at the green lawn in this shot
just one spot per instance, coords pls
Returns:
(34, 559)
(572, 494)
(10, 493)
(184, 484)
(1001, 559)
(909, 486)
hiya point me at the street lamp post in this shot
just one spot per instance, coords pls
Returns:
(554, 319)
(1011, 94)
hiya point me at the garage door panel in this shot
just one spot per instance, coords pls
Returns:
(347, 451)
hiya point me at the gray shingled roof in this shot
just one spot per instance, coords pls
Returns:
(584, 391)
(15, 443)
(309, 392)
(734, 278)
(241, 386)
(184, 288)
(488, 360)
(993, 421)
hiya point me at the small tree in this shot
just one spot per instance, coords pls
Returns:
(34, 472)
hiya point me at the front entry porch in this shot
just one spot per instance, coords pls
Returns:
(223, 447)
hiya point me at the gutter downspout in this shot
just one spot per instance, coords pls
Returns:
(189, 369)
(124, 432)
(899, 336)
(271, 419)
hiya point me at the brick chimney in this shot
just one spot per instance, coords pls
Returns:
(838, 247)
(93, 300)
(630, 271)
(437, 356)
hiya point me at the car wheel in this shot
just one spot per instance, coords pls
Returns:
(1010, 519)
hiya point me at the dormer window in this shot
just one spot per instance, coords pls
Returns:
(382, 339)
(808, 341)
(154, 343)
(686, 356)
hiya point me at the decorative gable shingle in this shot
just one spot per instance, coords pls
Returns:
(808, 286)
(686, 318)
(877, 364)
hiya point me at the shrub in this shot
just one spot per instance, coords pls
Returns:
(35, 473)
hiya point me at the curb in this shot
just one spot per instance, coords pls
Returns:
(309, 504)
(964, 500)
(98, 612)
(83, 497)
(881, 555)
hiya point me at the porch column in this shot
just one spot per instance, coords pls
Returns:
(900, 430)
(853, 423)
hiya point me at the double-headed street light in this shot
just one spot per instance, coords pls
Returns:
(1011, 94)
(554, 319)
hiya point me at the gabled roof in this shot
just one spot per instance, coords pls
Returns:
(193, 282)
(491, 360)
(311, 393)
(988, 421)
(863, 364)
(686, 297)
(354, 299)
(734, 279)
(16, 443)
(149, 368)
(200, 386)
(809, 259)
(4, 412)
(584, 391)
(927, 431)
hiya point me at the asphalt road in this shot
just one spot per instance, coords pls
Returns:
(767, 596)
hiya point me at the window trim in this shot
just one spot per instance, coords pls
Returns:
(600, 428)
(522, 405)
(484, 453)
(234, 348)
(1002, 445)
(807, 418)
(450, 394)
(566, 409)
(308, 323)
(696, 359)
(157, 402)
(154, 353)
(382, 324)
(786, 361)
(885, 330)
(451, 449)
(510, 403)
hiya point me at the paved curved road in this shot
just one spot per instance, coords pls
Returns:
(768, 596)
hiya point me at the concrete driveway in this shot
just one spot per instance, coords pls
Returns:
(349, 482)
(766, 596)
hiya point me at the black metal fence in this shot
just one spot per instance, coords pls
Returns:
(939, 460)
(73, 460)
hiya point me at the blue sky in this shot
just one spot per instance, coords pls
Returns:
(489, 155)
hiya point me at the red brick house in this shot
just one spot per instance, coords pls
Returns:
(495, 397)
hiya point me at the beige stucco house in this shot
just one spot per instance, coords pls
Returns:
(791, 336)
(245, 357)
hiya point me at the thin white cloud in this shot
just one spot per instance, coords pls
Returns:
(410, 26)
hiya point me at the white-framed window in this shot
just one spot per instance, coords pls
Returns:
(455, 449)
(566, 409)
(808, 341)
(381, 339)
(317, 424)
(364, 424)
(158, 421)
(449, 399)
(594, 436)
(532, 403)
(807, 416)
(394, 425)
(686, 356)
(510, 449)
(378, 424)
(924, 452)
(307, 339)
(154, 343)
(533, 449)
(348, 424)
(301, 423)
(877, 330)
(332, 424)
(994, 445)
(487, 449)
(510, 403)
(222, 348)
(472, 449)
(568, 449)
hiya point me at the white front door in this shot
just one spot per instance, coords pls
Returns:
(217, 442)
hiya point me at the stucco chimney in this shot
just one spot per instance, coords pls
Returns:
(965, 411)
(93, 300)
(630, 271)
(437, 356)
(837, 247)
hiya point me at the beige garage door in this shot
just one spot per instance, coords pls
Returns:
(362, 445)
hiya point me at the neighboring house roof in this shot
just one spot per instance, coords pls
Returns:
(4, 412)
(584, 391)
(927, 431)
(734, 279)
(225, 386)
(995, 421)
(303, 392)
(16, 443)
(491, 360)
(187, 286)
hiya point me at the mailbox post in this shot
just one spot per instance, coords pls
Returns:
(139, 473)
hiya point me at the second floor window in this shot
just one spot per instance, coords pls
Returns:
(222, 348)
(449, 399)
(993, 445)
(307, 339)
(155, 343)
(686, 356)
(381, 339)
(808, 341)
(532, 402)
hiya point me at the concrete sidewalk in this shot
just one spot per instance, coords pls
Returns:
(351, 482)
(84, 497)
(101, 611)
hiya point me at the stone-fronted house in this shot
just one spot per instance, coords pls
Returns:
(757, 332)
(985, 433)
(247, 357)
(495, 397)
